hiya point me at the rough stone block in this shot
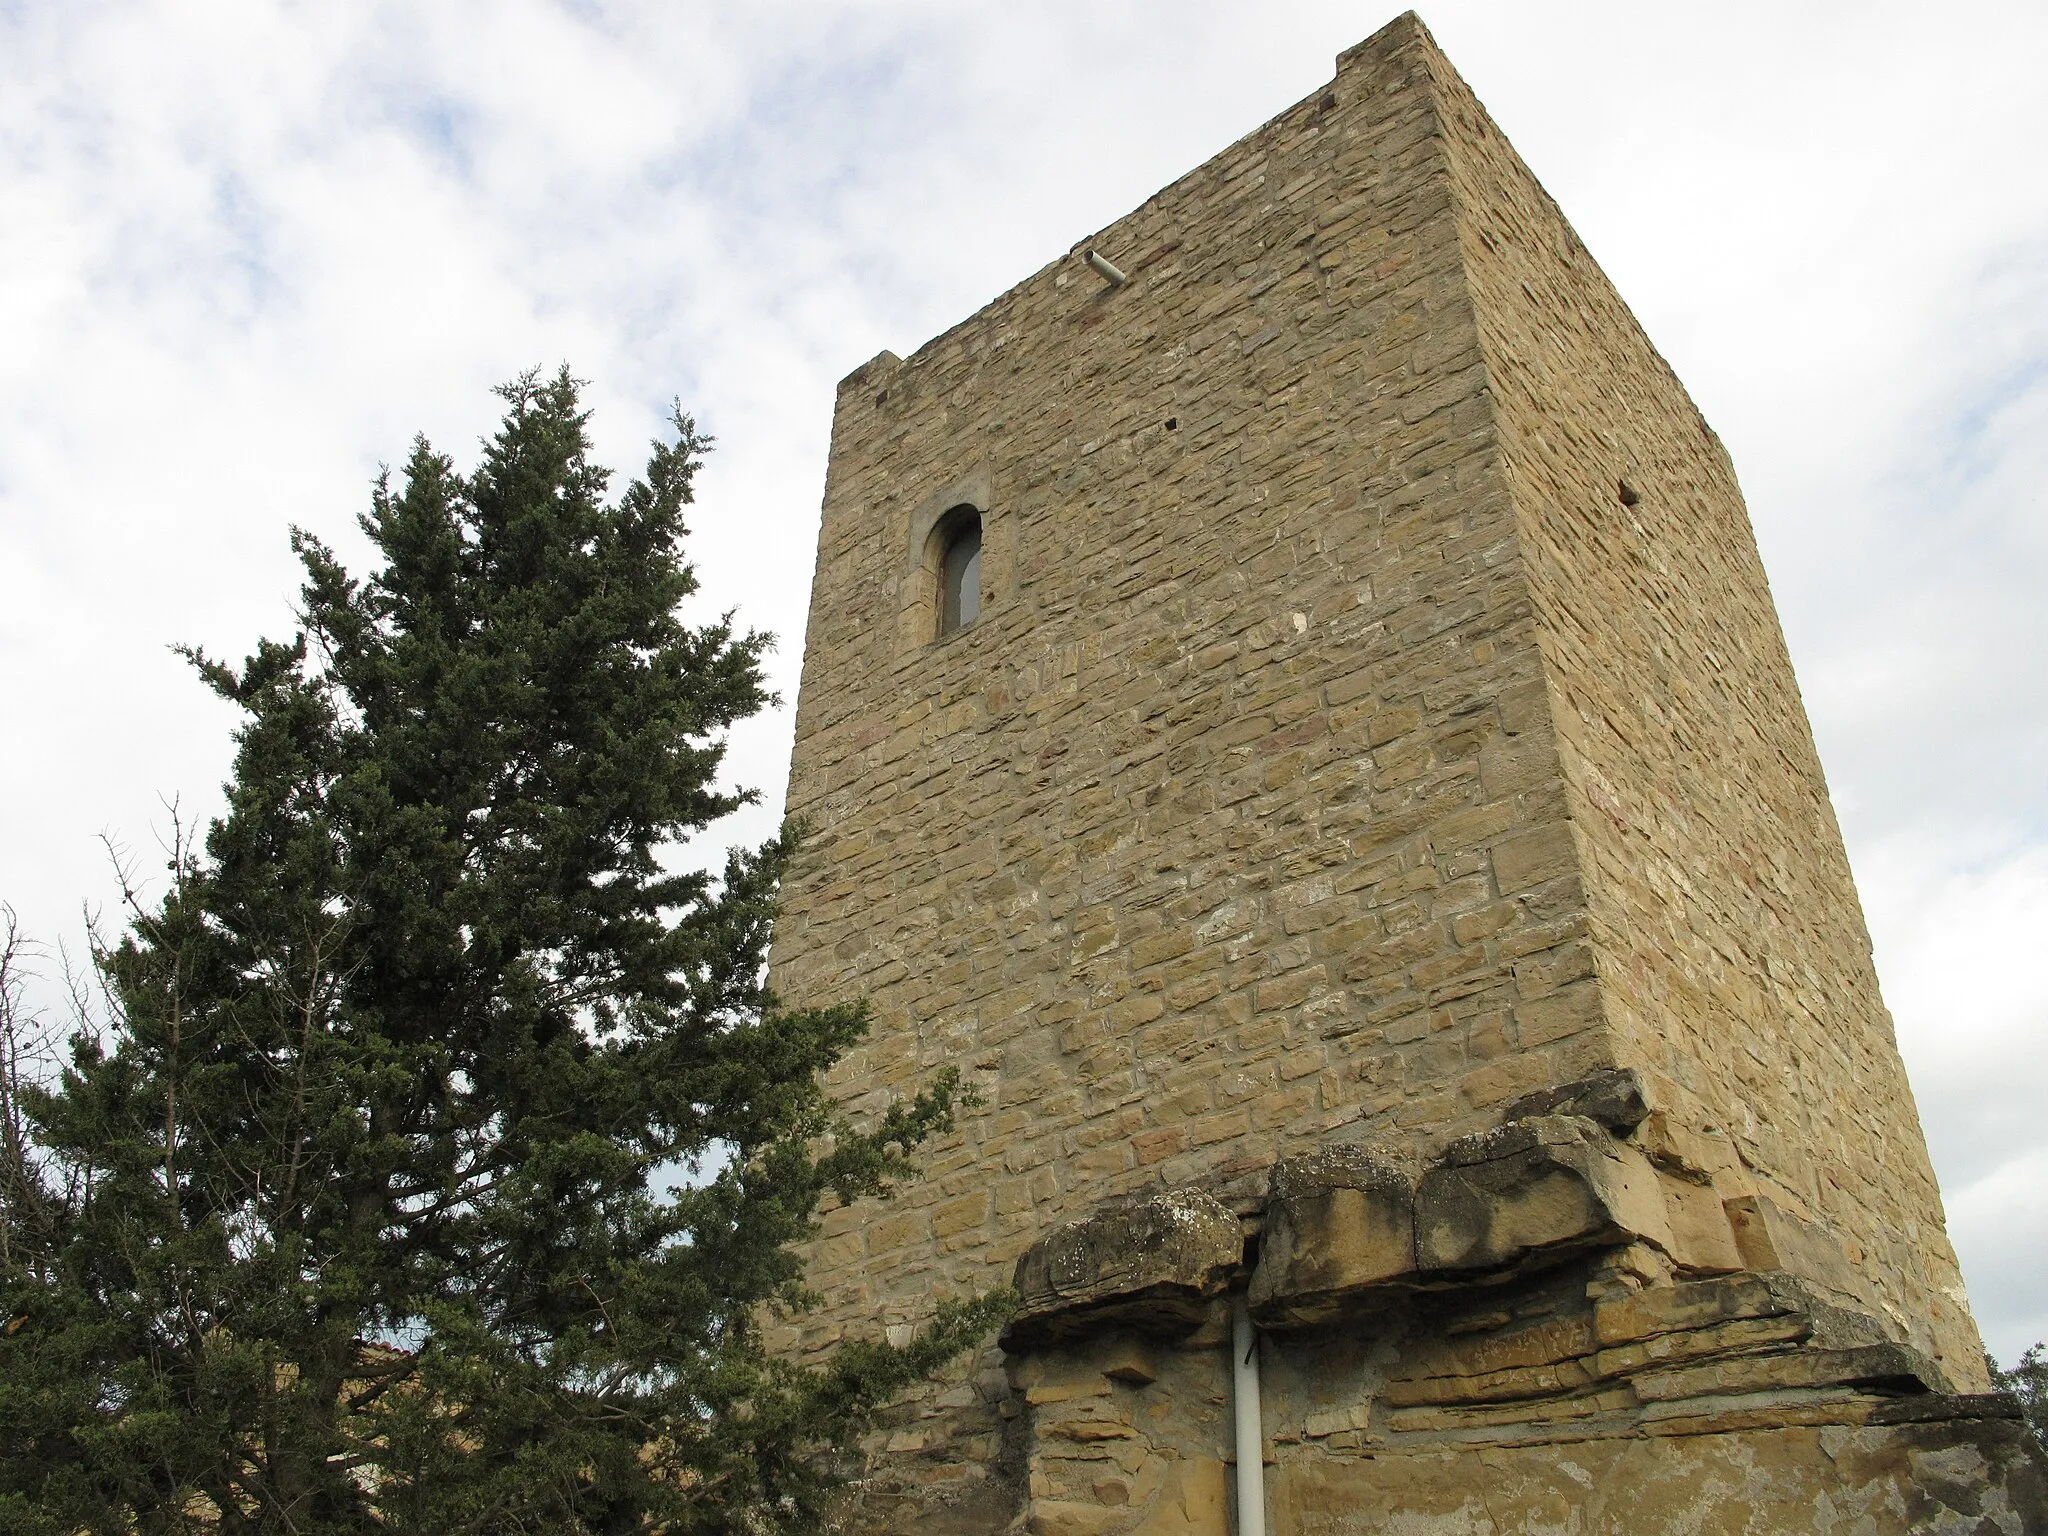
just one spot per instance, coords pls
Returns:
(1702, 1238)
(1615, 1098)
(1529, 858)
(1152, 1263)
(1544, 1185)
(1339, 1221)
(1890, 1368)
(1130, 1361)
(1195, 1501)
(1931, 1465)
(1070, 1517)
(1772, 1238)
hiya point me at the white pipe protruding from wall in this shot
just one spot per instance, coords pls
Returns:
(1105, 270)
(1251, 1439)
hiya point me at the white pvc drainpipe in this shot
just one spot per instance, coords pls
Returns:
(1106, 270)
(1251, 1439)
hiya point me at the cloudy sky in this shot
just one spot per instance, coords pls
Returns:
(247, 249)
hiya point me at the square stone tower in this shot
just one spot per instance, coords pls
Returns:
(1357, 828)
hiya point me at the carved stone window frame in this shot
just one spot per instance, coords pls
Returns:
(925, 548)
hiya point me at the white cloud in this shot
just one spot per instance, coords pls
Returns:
(248, 247)
(1999, 1223)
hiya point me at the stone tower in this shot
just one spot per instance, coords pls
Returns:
(1368, 852)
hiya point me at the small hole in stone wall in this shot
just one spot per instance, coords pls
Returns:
(1629, 494)
(1172, 422)
(882, 398)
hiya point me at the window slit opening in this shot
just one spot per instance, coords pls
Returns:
(960, 570)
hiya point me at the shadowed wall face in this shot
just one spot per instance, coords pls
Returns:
(1334, 756)
(1733, 958)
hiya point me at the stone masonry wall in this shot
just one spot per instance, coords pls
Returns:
(1730, 944)
(1335, 758)
(1236, 822)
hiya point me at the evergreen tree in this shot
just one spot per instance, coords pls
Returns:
(366, 1213)
(2027, 1381)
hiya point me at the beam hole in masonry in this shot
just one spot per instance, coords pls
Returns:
(1630, 496)
(1172, 422)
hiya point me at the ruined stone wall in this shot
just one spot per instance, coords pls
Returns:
(1731, 949)
(1732, 1405)
(1498, 1345)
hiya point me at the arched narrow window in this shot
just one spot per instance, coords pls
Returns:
(959, 569)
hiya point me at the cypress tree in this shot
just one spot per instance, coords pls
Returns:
(443, 1154)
